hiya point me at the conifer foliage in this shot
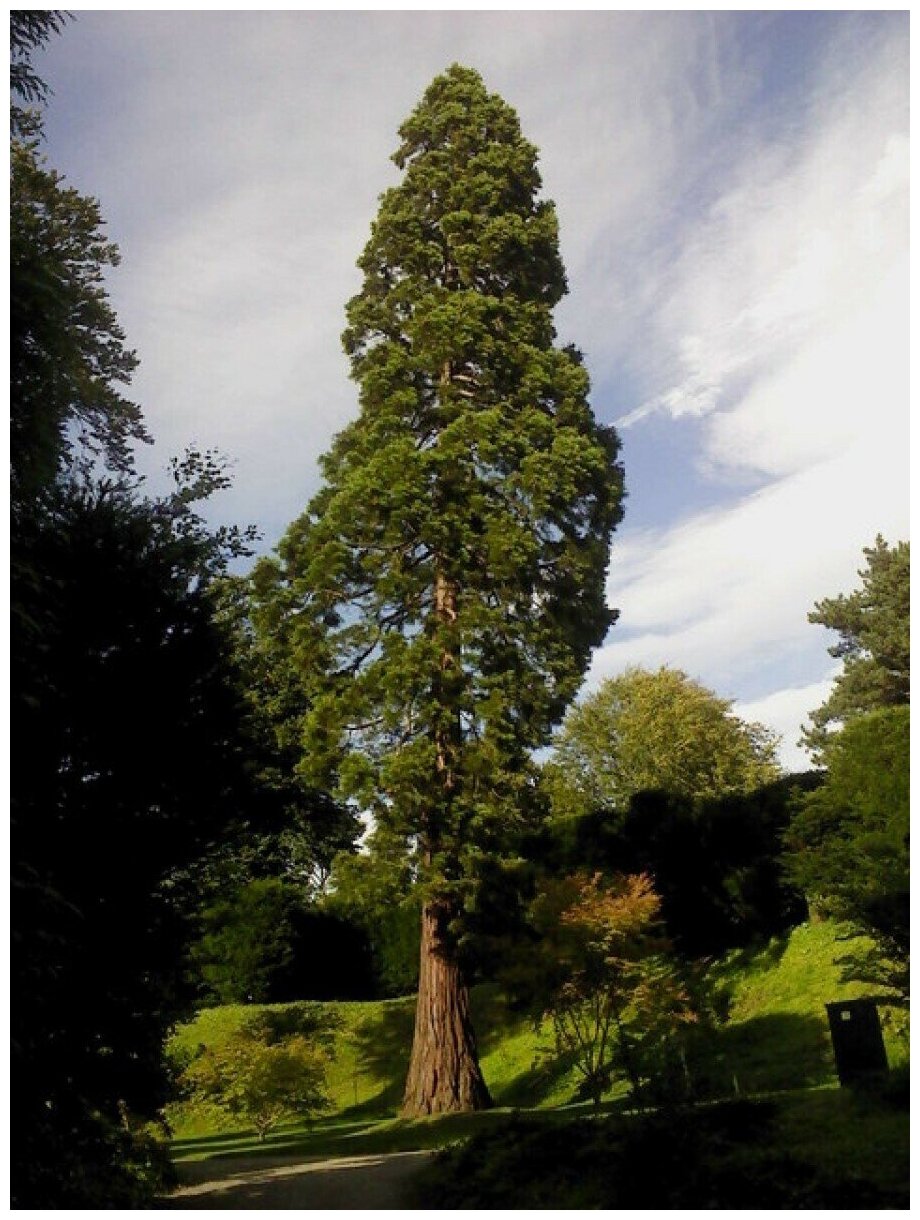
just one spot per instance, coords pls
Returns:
(444, 589)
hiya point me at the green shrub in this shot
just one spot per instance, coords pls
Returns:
(272, 1068)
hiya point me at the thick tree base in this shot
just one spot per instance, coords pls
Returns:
(444, 1074)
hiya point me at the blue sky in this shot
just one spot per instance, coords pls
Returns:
(732, 197)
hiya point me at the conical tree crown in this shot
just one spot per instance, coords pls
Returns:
(447, 584)
(465, 218)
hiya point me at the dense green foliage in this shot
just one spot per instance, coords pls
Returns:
(130, 766)
(716, 863)
(375, 891)
(654, 731)
(849, 843)
(262, 942)
(246, 942)
(442, 592)
(873, 624)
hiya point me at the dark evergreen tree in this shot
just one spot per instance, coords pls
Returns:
(446, 586)
(131, 763)
(848, 846)
(128, 726)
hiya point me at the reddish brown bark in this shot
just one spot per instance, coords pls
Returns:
(444, 1073)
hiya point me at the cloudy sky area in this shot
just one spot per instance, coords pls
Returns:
(732, 195)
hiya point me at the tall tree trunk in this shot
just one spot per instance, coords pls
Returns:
(444, 1073)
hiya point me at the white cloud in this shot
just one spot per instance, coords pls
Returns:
(787, 316)
(785, 712)
(844, 390)
(806, 225)
(726, 594)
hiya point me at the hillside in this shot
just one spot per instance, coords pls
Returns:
(775, 1037)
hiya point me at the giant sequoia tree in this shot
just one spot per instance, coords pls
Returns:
(444, 589)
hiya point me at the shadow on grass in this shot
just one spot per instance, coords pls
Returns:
(382, 1047)
(538, 1083)
(758, 958)
(242, 1143)
(768, 1053)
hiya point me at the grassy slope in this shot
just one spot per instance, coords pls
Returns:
(776, 1038)
(777, 1035)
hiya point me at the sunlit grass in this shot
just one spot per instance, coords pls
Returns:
(776, 1039)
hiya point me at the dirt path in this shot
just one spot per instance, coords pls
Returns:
(361, 1182)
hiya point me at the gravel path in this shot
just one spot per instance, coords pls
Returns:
(357, 1183)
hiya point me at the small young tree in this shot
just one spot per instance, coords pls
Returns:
(261, 1075)
(604, 976)
(443, 591)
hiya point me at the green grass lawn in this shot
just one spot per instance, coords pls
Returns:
(775, 1039)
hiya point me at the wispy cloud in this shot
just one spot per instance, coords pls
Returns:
(786, 712)
(786, 317)
(726, 594)
(805, 224)
(733, 207)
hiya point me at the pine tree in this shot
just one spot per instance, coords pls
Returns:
(873, 623)
(446, 586)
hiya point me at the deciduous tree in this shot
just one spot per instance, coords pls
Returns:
(446, 585)
(603, 972)
(261, 1074)
(655, 731)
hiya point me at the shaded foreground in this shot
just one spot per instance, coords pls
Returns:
(362, 1182)
(812, 1149)
(731, 1155)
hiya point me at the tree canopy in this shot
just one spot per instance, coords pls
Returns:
(655, 731)
(445, 587)
(131, 764)
(873, 623)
